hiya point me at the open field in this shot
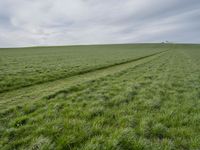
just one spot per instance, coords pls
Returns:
(28, 66)
(143, 96)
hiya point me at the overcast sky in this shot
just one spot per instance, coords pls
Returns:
(66, 22)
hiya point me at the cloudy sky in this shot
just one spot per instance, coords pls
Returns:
(66, 22)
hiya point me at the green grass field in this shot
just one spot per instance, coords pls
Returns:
(134, 96)
(28, 66)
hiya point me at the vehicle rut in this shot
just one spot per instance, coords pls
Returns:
(38, 91)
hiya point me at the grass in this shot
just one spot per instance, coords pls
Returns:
(152, 103)
(28, 66)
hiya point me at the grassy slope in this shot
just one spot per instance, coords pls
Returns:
(35, 92)
(28, 66)
(154, 105)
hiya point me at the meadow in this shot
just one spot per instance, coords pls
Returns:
(27, 66)
(134, 96)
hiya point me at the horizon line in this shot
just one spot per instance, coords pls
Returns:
(99, 44)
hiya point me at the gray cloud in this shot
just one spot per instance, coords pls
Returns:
(62, 22)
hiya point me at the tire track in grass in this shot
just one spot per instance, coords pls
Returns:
(38, 91)
(83, 72)
(105, 82)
